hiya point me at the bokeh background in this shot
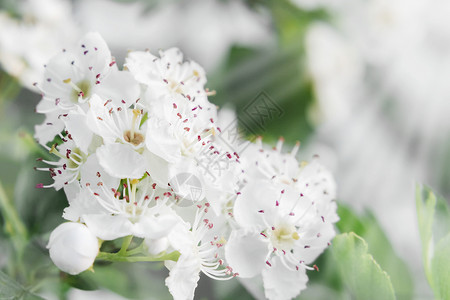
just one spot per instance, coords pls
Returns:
(362, 83)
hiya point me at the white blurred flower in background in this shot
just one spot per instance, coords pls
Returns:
(28, 42)
(380, 72)
(178, 23)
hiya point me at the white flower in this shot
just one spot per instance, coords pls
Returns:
(168, 75)
(67, 169)
(73, 76)
(171, 82)
(177, 141)
(117, 123)
(285, 212)
(280, 226)
(127, 163)
(122, 135)
(200, 246)
(137, 211)
(74, 165)
(73, 248)
(309, 179)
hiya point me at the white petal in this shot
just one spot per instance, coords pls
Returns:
(91, 172)
(83, 203)
(246, 252)
(181, 238)
(256, 203)
(107, 227)
(316, 182)
(94, 54)
(281, 283)
(121, 161)
(155, 227)
(156, 246)
(77, 127)
(72, 190)
(47, 131)
(140, 65)
(118, 86)
(316, 239)
(158, 168)
(183, 277)
(100, 121)
(160, 141)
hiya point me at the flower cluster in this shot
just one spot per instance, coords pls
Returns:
(140, 155)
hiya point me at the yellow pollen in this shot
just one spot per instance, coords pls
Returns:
(196, 74)
(222, 241)
(295, 235)
(136, 112)
(134, 181)
(67, 80)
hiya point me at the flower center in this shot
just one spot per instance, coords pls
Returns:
(284, 236)
(174, 86)
(76, 158)
(80, 89)
(134, 138)
(132, 207)
(177, 87)
(131, 136)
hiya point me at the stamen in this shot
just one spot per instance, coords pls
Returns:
(280, 144)
(136, 113)
(73, 85)
(295, 149)
(56, 152)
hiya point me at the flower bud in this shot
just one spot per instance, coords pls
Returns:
(73, 248)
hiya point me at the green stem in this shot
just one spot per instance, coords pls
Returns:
(117, 257)
(137, 250)
(126, 242)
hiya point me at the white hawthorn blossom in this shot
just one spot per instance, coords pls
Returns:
(141, 152)
(73, 76)
(285, 214)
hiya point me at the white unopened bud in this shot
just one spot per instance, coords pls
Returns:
(73, 247)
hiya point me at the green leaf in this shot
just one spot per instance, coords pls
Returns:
(277, 73)
(10, 289)
(135, 281)
(367, 227)
(425, 202)
(362, 275)
(292, 22)
(440, 269)
(433, 216)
